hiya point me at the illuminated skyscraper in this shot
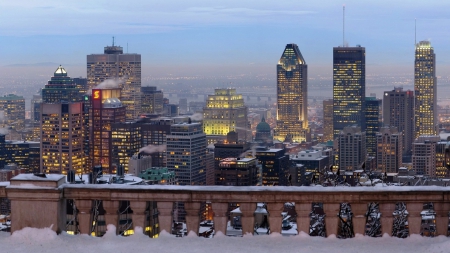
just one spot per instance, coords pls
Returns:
(425, 111)
(60, 88)
(349, 87)
(373, 124)
(389, 149)
(125, 69)
(151, 99)
(225, 112)
(12, 108)
(292, 96)
(328, 120)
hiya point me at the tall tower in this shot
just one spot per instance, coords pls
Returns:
(292, 96)
(60, 88)
(425, 105)
(328, 120)
(398, 111)
(225, 112)
(151, 99)
(389, 149)
(124, 69)
(373, 124)
(349, 87)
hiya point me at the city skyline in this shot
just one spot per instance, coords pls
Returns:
(215, 38)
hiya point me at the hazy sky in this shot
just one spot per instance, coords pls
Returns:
(208, 37)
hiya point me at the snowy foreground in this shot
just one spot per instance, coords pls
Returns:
(45, 240)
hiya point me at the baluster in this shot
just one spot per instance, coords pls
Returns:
(248, 217)
(331, 219)
(165, 218)
(303, 219)
(387, 220)
(192, 216)
(84, 215)
(414, 218)
(139, 215)
(359, 217)
(111, 216)
(220, 217)
(275, 210)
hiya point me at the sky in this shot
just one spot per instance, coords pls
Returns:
(203, 37)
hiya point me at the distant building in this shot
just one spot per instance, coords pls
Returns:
(425, 90)
(10, 171)
(139, 163)
(424, 155)
(398, 111)
(60, 88)
(186, 151)
(126, 141)
(441, 169)
(231, 147)
(292, 96)
(275, 166)
(352, 148)
(237, 172)
(312, 161)
(154, 132)
(389, 149)
(263, 132)
(151, 99)
(158, 175)
(373, 124)
(183, 105)
(225, 112)
(328, 120)
(349, 88)
(122, 69)
(13, 109)
(82, 85)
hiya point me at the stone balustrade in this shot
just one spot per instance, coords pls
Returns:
(41, 203)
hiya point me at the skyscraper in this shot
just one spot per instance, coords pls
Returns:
(225, 112)
(60, 88)
(425, 111)
(398, 111)
(327, 120)
(352, 148)
(349, 87)
(292, 96)
(424, 155)
(389, 149)
(124, 69)
(151, 99)
(373, 124)
(13, 108)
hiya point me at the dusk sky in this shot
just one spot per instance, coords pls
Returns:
(224, 36)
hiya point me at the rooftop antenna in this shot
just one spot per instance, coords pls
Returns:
(127, 47)
(415, 31)
(113, 41)
(343, 25)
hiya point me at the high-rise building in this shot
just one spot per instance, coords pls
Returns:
(274, 166)
(35, 107)
(106, 110)
(349, 87)
(186, 151)
(151, 99)
(125, 72)
(225, 112)
(154, 134)
(126, 142)
(25, 154)
(231, 147)
(237, 172)
(328, 120)
(398, 111)
(373, 124)
(13, 108)
(352, 148)
(424, 155)
(389, 149)
(60, 88)
(425, 88)
(292, 96)
(62, 137)
(81, 84)
(441, 168)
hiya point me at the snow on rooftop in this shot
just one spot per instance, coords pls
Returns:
(45, 240)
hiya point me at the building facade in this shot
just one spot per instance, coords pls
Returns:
(121, 70)
(274, 166)
(292, 96)
(424, 155)
(237, 172)
(225, 112)
(373, 123)
(13, 109)
(349, 87)
(425, 88)
(352, 148)
(389, 149)
(151, 100)
(60, 88)
(126, 142)
(328, 120)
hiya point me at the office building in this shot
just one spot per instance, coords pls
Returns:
(274, 166)
(312, 161)
(106, 110)
(237, 172)
(154, 135)
(82, 85)
(389, 149)
(186, 151)
(151, 100)
(230, 147)
(292, 96)
(398, 111)
(351, 149)
(126, 142)
(441, 169)
(373, 124)
(328, 120)
(349, 88)
(60, 88)
(12, 111)
(225, 112)
(425, 88)
(424, 155)
(62, 137)
(122, 70)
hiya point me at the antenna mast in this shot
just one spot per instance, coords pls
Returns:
(415, 32)
(343, 25)
(113, 41)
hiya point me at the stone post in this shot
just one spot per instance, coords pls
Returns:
(111, 216)
(441, 210)
(84, 215)
(192, 216)
(414, 218)
(331, 220)
(359, 217)
(303, 220)
(139, 215)
(387, 219)
(275, 210)
(165, 212)
(248, 217)
(220, 217)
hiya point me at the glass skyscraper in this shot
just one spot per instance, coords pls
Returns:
(425, 111)
(349, 87)
(292, 96)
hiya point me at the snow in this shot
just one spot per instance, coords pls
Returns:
(45, 240)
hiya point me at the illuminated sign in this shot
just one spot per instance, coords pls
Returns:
(96, 94)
